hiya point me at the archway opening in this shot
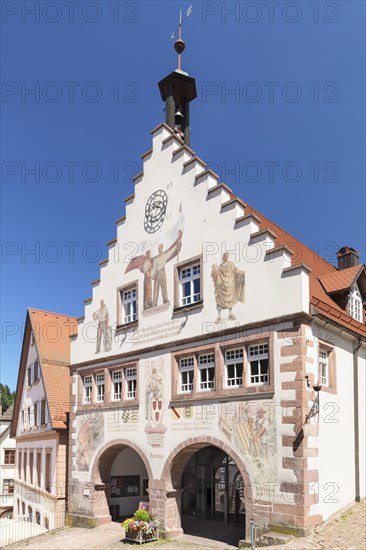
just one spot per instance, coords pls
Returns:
(212, 498)
(124, 477)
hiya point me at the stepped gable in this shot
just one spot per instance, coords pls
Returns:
(323, 276)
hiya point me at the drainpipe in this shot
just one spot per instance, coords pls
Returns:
(356, 347)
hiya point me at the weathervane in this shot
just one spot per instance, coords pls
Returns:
(179, 45)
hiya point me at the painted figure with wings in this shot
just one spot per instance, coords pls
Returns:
(153, 269)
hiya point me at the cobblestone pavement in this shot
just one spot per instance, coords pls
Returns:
(345, 532)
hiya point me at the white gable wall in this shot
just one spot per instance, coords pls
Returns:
(208, 230)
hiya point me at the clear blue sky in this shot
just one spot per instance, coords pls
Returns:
(297, 70)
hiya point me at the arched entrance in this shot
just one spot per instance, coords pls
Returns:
(120, 475)
(209, 490)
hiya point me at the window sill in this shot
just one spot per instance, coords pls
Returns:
(189, 307)
(222, 395)
(126, 326)
(36, 382)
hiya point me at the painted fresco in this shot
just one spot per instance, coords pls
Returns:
(156, 253)
(104, 330)
(154, 402)
(255, 437)
(229, 283)
(90, 437)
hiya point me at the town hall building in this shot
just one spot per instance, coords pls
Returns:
(218, 372)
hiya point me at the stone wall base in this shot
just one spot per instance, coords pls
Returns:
(77, 520)
(171, 533)
(289, 530)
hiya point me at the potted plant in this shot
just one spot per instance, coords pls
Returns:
(142, 527)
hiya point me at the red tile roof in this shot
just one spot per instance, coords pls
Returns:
(340, 280)
(320, 269)
(52, 333)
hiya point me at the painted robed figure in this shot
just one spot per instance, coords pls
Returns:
(229, 283)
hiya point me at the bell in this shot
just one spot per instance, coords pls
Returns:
(179, 117)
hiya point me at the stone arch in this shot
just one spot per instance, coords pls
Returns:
(172, 474)
(185, 450)
(109, 451)
(100, 473)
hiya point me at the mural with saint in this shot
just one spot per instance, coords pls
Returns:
(229, 283)
(102, 316)
(153, 269)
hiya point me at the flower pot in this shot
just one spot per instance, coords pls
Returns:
(140, 537)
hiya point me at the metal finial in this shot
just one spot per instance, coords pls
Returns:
(179, 44)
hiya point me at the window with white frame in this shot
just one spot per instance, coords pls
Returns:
(88, 388)
(131, 382)
(354, 306)
(234, 367)
(129, 305)
(323, 367)
(117, 385)
(186, 370)
(190, 284)
(258, 364)
(99, 380)
(206, 365)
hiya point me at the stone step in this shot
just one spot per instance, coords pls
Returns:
(272, 539)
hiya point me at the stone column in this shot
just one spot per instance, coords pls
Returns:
(165, 505)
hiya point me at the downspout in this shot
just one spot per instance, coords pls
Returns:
(356, 423)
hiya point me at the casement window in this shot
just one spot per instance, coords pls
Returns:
(35, 414)
(354, 306)
(9, 456)
(23, 419)
(29, 417)
(129, 305)
(99, 379)
(234, 367)
(186, 370)
(131, 382)
(35, 371)
(117, 385)
(323, 367)
(29, 376)
(258, 364)
(43, 412)
(190, 284)
(8, 487)
(88, 388)
(206, 365)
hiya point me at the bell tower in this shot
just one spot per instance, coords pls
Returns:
(178, 89)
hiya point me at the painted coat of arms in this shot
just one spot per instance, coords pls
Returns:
(154, 404)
